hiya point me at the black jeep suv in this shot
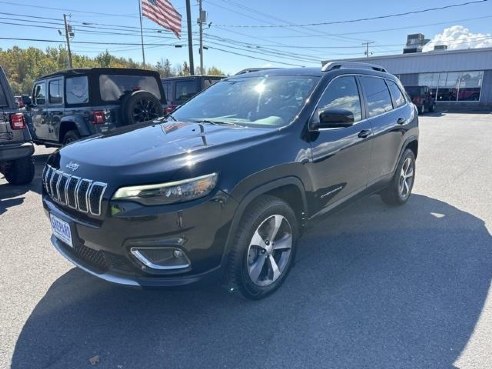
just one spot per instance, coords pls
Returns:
(226, 184)
(71, 104)
(16, 147)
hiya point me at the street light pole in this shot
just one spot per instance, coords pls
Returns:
(67, 36)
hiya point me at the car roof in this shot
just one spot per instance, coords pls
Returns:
(179, 78)
(96, 71)
(352, 68)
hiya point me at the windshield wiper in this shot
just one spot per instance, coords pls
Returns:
(214, 122)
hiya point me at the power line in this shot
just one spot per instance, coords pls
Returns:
(290, 25)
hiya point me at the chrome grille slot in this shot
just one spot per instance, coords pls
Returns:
(77, 193)
(54, 184)
(71, 187)
(82, 192)
(97, 189)
(62, 190)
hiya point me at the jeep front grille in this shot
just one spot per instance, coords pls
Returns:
(77, 193)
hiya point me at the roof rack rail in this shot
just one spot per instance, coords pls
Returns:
(355, 65)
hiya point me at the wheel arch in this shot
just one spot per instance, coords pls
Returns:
(72, 123)
(289, 189)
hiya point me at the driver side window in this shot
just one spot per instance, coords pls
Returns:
(341, 93)
(40, 94)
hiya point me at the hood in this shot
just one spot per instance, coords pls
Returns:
(154, 150)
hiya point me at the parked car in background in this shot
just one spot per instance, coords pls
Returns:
(23, 101)
(16, 148)
(422, 98)
(180, 89)
(226, 184)
(75, 103)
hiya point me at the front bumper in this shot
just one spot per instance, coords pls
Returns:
(102, 247)
(16, 151)
(126, 280)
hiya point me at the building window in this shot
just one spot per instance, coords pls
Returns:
(453, 86)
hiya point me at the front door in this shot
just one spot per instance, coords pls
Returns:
(340, 156)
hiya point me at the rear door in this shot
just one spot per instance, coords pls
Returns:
(387, 113)
(38, 111)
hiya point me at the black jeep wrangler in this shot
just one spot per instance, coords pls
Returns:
(16, 147)
(75, 103)
(225, 184)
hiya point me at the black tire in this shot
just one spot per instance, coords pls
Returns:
(244, 255)
(20, 171)
(140, 106)
(393, 194)
(71, 136)
(421, 109)
(432, 108)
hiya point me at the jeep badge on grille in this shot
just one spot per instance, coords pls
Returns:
(72, 166)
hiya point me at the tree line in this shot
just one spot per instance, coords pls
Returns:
(24, 66)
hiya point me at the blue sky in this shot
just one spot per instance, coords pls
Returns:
(281, 43)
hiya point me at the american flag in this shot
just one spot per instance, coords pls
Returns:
(163, 13)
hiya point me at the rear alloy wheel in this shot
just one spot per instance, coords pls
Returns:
(20, 171)
(264, 248)
(400, 187)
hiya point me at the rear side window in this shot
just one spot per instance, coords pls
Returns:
(40, 94)
(77, 90)
(342, 93)
(396, 94)
(167, 89)
(185, 90)
(55, 92)
(3, 98)
(113, 86)
(377, 95)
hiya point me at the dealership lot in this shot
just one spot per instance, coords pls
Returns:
(373, 286)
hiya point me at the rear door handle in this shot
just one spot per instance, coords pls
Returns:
(364, 133)
(400, 121)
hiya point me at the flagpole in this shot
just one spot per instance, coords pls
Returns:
(141, 30)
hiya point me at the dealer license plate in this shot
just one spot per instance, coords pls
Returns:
(61, 230)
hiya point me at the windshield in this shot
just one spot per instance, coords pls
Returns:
(270, 101)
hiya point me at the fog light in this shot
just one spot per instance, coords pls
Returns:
(161, 258)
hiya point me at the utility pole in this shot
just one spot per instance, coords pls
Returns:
(67, 36)
(190, 39)
(202, 19)
(367, 47)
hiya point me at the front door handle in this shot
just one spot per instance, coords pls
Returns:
(400, 121)
(364, 133)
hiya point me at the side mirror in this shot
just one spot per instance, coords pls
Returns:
(334, 118)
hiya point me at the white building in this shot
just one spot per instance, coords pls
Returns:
(459, 79)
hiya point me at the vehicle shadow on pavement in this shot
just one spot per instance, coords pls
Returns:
(9, 194)
(373, 287)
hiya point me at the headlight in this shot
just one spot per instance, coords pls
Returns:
(169, 193)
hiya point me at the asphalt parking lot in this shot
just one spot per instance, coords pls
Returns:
(373, 287)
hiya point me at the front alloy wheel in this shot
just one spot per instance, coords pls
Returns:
(263, 249)
(269, 250)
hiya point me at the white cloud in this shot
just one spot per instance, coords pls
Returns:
(459, 37)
